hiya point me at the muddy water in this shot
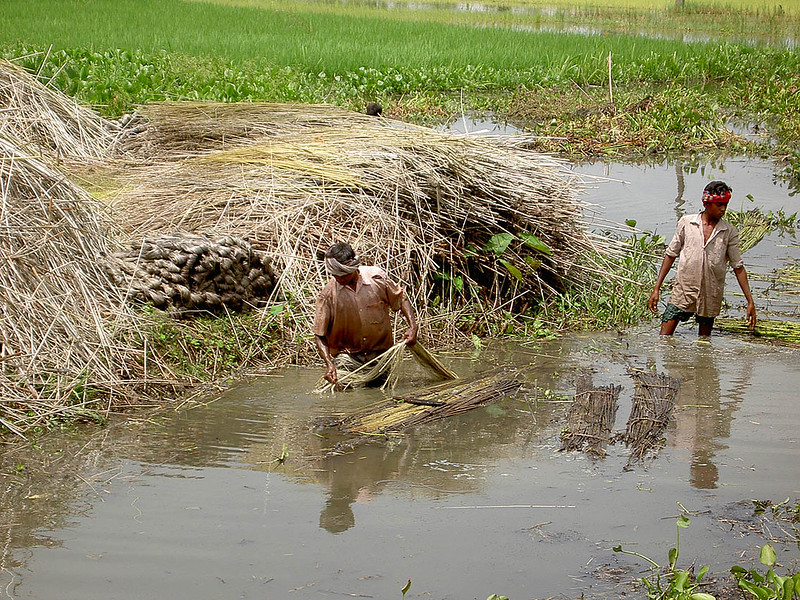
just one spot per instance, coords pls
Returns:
(195, 505)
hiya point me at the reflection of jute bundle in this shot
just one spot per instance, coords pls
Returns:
(195, 272)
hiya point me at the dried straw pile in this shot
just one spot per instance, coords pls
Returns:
(422, 204)
(62, 320)
(48, 123)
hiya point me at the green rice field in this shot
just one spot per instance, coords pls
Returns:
(540, 64)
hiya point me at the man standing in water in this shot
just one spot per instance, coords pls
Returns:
(705, 244)
(352, 311)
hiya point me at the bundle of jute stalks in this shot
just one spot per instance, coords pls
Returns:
(430, 404)
(384, 367)
(653, 405)
(590, 417)
(188, 271)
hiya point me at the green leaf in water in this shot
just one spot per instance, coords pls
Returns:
(630, 222)
(767, 555)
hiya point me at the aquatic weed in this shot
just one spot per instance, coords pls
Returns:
(676, 584)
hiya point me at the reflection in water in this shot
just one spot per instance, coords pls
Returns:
(703, 415)
(357, 479)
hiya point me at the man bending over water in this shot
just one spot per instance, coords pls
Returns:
(352, 311)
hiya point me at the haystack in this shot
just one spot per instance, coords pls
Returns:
(456, 219)
(62, 320)
(49, 124)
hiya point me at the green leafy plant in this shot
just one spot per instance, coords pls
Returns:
(770, 586)
(406, 587)
(670, 582)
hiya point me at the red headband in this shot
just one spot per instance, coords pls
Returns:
(719, 198)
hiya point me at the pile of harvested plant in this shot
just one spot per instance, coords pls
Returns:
(62, 320)
(774, 330)
(189, 272)
(48, 123)
(458, 220)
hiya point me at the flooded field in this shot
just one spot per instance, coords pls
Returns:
(197, 505)
(242, 498)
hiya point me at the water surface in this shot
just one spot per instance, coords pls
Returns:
(195, 505)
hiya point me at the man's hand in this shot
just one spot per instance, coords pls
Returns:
(751, 316)
(410, 336)
(652, 302)
(331, 374)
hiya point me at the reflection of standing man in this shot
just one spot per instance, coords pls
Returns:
(704, 411)
(705, 244)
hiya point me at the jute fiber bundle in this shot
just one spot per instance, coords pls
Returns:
(384, 365)
(430, 404)
(193, 272)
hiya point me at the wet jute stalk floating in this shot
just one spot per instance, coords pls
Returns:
(768, 329)
(752, 225)
(431, 404)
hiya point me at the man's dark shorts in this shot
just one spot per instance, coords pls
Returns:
(672, 312)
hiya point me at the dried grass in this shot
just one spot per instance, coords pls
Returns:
(63, 323)
(49, 124)
(420, 203)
